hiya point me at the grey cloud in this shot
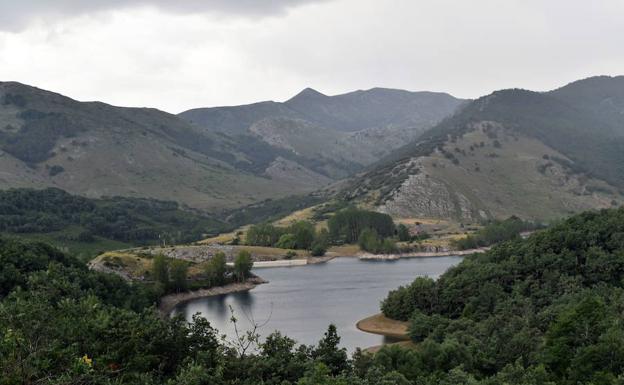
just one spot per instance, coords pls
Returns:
(16, 14)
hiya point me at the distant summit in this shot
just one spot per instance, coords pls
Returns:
(307, 94)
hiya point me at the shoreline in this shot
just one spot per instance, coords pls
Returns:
(421, 254)
(391, 329)
(384, 326)
(170, 301)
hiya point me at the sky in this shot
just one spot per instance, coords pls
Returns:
(177, 55)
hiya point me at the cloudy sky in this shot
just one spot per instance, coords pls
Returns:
(176, 55)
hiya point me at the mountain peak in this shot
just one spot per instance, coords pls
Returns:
(307, 94)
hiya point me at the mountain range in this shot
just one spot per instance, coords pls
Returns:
(538, 155)
(208, 158)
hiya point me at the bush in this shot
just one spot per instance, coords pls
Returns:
(369, 241)
(287, 241)
(403, 233)
(318, 250)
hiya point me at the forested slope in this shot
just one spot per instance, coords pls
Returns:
(548, 309)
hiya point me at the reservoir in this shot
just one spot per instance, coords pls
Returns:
(302, 301)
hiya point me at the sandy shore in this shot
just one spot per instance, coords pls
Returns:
(382, 325)
(387, 327)
(170, 301)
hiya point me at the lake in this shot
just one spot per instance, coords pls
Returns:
(302, 301)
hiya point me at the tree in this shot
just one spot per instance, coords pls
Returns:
(387, 246)
(287, 241)
(329, 353)
(403, 233)
(242, 265)
(264, 234)
(179, 270)
(216, 269)
(160, 269)
(320, 244)
(304, 233)
(369, 241)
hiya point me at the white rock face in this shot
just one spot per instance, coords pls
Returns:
(423, 196)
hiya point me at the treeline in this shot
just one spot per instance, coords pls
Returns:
(495, 232)
(544, 310)
(300, 235)
(61, 323)
(132, 220)
(374, 232)
(347, 225)
(171, 274)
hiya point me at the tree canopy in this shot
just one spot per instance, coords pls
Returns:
(548, 307)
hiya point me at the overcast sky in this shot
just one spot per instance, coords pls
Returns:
(176, 55)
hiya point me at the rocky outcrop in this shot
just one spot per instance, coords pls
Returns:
(421, 195)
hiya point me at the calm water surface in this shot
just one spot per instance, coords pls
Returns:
(302, 301)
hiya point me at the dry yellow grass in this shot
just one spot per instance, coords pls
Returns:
(345, 250)
(299, 215)
(272, 251)
(134, 265)
(225, 238)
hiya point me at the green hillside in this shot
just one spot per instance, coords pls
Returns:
(86, 226)
(93, 149)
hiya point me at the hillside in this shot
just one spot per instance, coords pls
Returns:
(544, 310)
(514, 152)
(94, 149)
(84, 226)
(249, 154)
(331, 135)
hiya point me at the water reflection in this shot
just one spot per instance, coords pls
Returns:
(302, 301)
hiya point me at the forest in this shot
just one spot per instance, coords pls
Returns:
(372, 231)
(136, 221)
(547, 309)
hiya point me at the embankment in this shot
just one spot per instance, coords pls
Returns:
(421, 254)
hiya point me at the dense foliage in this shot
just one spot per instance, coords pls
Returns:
(546, 310)
(495, 232)
(371, 230)
(347, 225)
(132, 220)
(371, 242)
(300, 235)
